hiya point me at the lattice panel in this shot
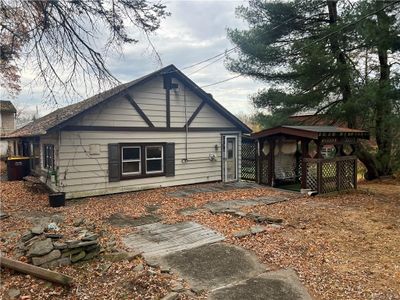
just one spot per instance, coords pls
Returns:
(312, 176)
(346, 170)
(328, 183)
(264, 171)
(248, 167)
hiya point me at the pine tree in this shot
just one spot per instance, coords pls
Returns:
(335, 58)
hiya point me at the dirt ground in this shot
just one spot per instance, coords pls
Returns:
(343, 246)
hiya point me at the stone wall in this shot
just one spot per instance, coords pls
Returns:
(50, 250)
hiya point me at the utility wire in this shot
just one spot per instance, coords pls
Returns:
(222, 55)
(318, 40)
(209, 64)
(218, 82)
(208, 59)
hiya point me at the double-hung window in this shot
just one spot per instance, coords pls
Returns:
(154, 159)
(131, 160)
(142, 160)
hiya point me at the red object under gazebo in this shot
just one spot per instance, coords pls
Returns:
(316, 158)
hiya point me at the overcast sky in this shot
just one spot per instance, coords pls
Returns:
(196, 30)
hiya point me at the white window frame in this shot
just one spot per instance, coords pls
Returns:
(154, 158)
(131, 160)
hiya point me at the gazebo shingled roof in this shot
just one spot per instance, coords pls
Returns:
(312, 132)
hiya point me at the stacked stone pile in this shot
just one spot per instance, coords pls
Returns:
(50, 250)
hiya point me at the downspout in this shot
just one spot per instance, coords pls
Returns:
(186, 126)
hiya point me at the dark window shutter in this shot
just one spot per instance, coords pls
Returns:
(114, 162)
(170, 159)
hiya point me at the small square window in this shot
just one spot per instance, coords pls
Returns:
(131, 153)
(131, 167)
(154, 166)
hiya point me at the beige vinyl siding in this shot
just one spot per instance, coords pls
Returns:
(115, 113)
(177, 100)
(82, 174)
(208, 117)
(151, 98)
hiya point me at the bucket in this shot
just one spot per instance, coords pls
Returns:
(57, 199)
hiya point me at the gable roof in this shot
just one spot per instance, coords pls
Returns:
(312, 132)
(60, 117)
(7, 106)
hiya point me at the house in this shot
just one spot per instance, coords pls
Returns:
(156, 131)
(7, 123)
(7, 117)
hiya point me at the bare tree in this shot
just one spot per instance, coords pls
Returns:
(66, 41)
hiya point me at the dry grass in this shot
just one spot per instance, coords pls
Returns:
(342, 246)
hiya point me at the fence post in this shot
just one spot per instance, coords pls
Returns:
(355, 173)
(319, 176)
(257, 159)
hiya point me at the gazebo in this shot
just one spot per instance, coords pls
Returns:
(315, 158)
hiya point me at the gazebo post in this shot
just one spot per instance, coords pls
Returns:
(339, 152)
(271, 162)
(304, 154)
(258, 160)
(319, 166)
(355, 173)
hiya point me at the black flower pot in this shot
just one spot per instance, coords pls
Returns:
(57, 199)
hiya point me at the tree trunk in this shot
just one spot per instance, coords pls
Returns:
(342, 66)
(370, 162)
(384, 132)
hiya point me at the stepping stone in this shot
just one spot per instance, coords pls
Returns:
(187, 211)
(161, 239)
(213, 266)
(122, 220)
(237, 203)
(278, 285)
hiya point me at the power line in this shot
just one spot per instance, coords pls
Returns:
(208, 59)
(207, 65)
(218, 82)
(221, 55)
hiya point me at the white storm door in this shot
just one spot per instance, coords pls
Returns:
(230, 158)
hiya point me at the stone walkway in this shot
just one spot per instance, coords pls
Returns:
(187, 191)
(225, 271)
(237, 203)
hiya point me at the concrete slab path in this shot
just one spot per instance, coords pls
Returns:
(214, 265)
(277, 285)
(225, 271)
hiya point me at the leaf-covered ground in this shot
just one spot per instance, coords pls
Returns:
(342, 246)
